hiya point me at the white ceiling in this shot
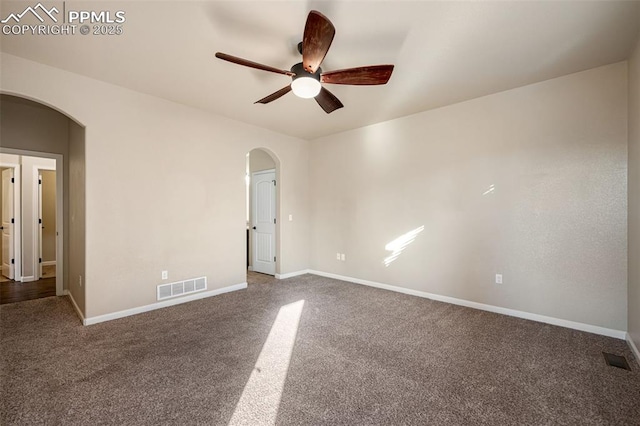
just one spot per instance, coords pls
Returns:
(444, 52)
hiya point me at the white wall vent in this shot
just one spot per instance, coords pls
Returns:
(181, 288)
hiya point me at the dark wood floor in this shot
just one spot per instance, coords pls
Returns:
(13, 291)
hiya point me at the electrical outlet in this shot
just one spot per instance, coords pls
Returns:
(165, 275)
(290, 218)
(337, 256)
(498, 278)
(343, 257)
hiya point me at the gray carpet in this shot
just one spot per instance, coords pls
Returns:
(348, 355)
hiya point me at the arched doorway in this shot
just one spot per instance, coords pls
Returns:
(262, 212)
(32, 130)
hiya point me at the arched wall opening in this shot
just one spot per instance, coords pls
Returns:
(263, 211)
(32, 128)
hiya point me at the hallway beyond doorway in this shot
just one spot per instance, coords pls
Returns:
(13, 291)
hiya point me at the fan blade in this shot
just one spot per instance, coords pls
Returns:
(328, 101)
(318, 35)
(251, 64)
(369, 75)
(274, 95)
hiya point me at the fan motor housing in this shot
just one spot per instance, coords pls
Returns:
(299, 71)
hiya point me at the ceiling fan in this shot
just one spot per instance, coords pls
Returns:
(307, 75)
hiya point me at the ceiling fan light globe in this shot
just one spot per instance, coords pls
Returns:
(306, 87)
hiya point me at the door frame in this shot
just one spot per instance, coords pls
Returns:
(37, 210)
(247, 172)
(60, 260)
(17, 218)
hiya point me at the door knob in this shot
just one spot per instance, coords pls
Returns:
(254, 227)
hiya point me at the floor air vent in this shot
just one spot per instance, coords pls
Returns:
(181, 288)
(616, 361)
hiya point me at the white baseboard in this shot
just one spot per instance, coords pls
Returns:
(75, 305)
(618, 334)
(49, 263)
(291, 274)
(28, 279)
(250, 268)
(634, 348)
(163, 304)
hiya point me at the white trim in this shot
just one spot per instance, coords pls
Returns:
(163, 304)
(49, 263)
(75, 305)
(263, 172)
(36, 212)
(17, 216)
(250, 268)
(618, 334)
(35, 216)
(17, 228)
(61, 214)
(8, 164)
(28, 279)
(633, 347)
(292, 274)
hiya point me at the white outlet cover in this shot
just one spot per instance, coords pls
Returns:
(498, 278)
(343, 257)
(337, 256)
(165, 275)
(290, 218)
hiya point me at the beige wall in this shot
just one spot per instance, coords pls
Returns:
(189, 218)
(529, 183)
(77, 221)
(634, 197)
(260, 160)
(48, 215)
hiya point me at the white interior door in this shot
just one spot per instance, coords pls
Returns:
(8, 245)
(39, 228)
(264, 221)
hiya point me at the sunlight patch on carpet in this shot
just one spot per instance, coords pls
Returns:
(260, 399)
